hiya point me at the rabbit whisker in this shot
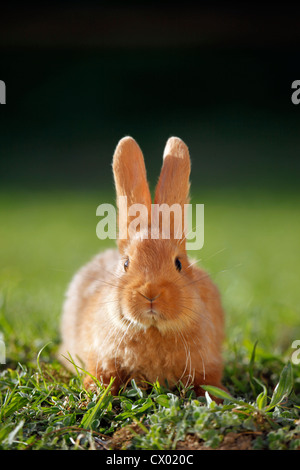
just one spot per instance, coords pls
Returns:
(119, 344)
(186, 355)
(190, 231)
(216, 272)
(97, 279)
(188, 360)
(107, 302)
(194, 262)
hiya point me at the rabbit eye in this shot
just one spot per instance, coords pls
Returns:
(178, 264)
(126, 264)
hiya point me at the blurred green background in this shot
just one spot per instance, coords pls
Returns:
(79, 77)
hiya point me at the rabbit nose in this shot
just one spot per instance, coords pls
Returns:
(151, 299)
(148, 292)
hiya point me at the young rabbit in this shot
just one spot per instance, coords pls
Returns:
(145, 311)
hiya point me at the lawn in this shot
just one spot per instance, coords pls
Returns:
(251, 251)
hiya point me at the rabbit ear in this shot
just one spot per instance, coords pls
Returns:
(130, 180)
(173, 184)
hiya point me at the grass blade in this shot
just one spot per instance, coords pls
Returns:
(91, 415)
(251, 368)
(283, 388)
(261, 399)
(217, 392)
(39, 365)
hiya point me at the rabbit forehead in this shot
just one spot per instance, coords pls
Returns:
(153, 251)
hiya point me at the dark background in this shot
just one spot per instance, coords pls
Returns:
(80, 76)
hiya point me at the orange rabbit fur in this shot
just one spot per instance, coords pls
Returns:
(153, 317)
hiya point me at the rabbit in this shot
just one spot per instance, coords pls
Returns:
(144, 310)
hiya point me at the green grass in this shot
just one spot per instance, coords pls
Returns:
(252, 252)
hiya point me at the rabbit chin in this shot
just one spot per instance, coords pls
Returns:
(149, 319)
